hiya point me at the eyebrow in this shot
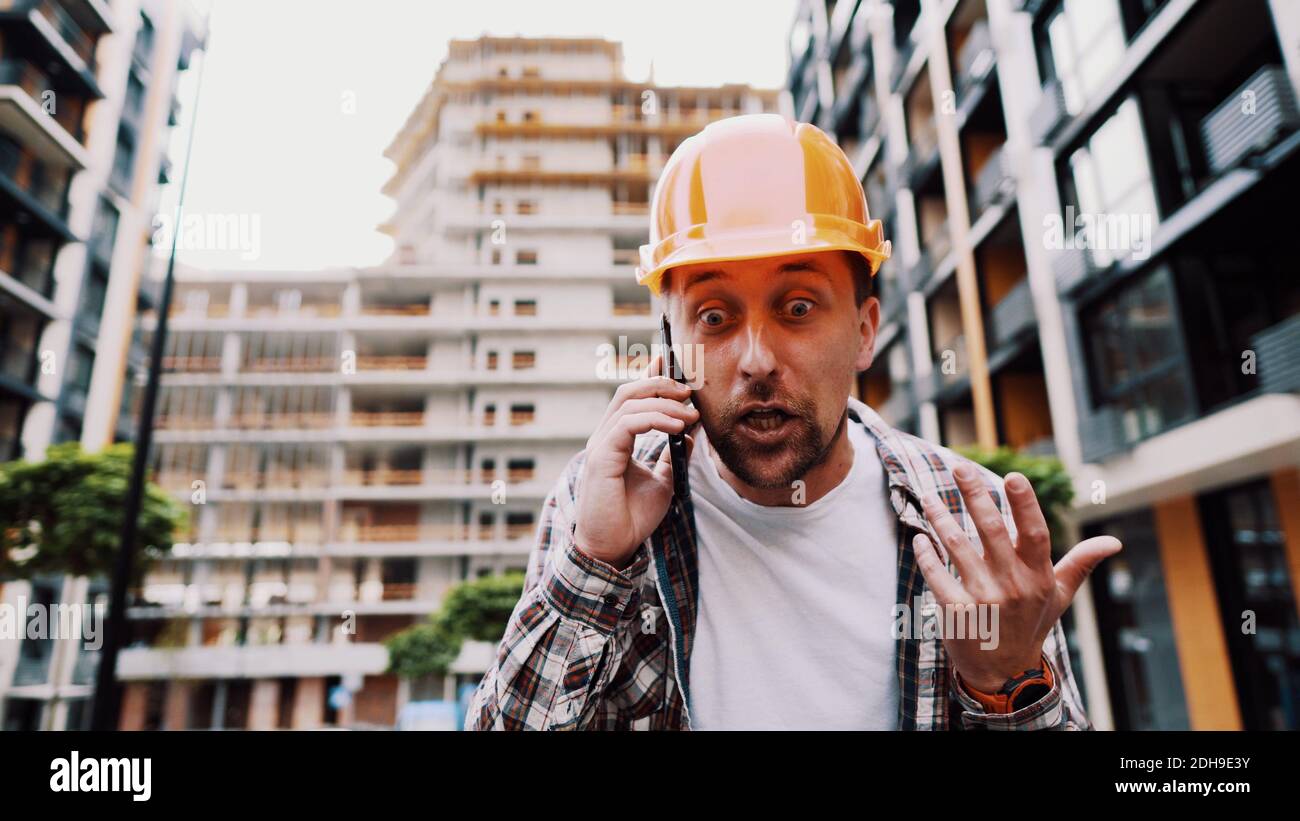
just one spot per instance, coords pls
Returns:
(796, 267)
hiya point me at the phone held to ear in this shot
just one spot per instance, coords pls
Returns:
(676, 441)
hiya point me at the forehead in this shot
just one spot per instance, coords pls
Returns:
(766, 271)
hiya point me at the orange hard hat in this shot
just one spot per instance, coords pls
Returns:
(757, 185)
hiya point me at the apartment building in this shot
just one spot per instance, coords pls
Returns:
(87, 98)
(362, 440)
(1089, 204)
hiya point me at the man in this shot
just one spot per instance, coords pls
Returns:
(781, 592)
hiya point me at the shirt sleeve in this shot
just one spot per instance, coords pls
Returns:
(561, 645)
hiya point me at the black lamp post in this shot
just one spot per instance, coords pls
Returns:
(107, 701)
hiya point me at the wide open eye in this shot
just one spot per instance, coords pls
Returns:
(799, 308)
(713, 317)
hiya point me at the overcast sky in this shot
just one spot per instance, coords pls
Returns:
(275, 141)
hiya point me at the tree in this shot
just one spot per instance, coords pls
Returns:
(64, 514)
(1051, 483)
(477, 610)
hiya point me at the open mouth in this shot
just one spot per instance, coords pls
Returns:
(765, 420)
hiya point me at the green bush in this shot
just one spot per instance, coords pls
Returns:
(64, 514)
(477, 610)
(1052, 485)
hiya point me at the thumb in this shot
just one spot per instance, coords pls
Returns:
(1075, 565)
(664, 465)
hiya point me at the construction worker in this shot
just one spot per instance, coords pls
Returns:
(810, 576)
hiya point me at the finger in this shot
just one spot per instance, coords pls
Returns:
(643, 388)
(953, 538)
(1033, 538)
(984, 513)
(670, 407)
(1075, 566)
(946, 588)
(633, 425)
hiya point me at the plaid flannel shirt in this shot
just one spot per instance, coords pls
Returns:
(592, 647)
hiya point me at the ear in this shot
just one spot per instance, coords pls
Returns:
(868, 324)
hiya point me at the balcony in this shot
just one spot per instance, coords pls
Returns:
(37, 189)
(410, 309)
(1011, 316)
(395, 477)
(950, 363)
(386, 419)
(1275, 349)
(994, 184)
(32, 670)
(54, 20)
(922, 161)
(53, 138)
(1072, 267)
(1101, 434)
(280, 421)
(1050, 114)
(252, 661)
(192, 364)
(183, 421)
(392, 363)
(1232, 135)
(306, 364)
(637, 308)
(974, 60)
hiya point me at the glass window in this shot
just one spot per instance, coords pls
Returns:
(1135, 360)
(1086, 40)
(1146, 686)
(1114, 188)
(1248, 552)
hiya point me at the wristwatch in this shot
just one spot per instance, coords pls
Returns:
(1018, 692)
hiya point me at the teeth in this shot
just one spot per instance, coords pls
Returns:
(766, 419)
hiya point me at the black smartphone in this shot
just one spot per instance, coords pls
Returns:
(676, 441)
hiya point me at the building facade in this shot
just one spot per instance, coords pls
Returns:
(87, 98)
(355, 442)
(1088, 202)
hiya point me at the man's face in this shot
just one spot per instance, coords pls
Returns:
(781, 341)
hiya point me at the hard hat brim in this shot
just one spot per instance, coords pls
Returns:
(815, 232)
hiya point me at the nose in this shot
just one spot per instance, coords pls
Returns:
(757, 357)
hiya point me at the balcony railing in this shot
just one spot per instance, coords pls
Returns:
(31, 176)
(975, 58)
(1071, 268)
(281, 421)
(626, 256)
(385, 419)
(192, 364)
(275, 364)
(1231, 133)
(32, 80)
(631, 309)
(184, 421)
(392, 363)
(950, 362)
(67, 28)
(34, 670)
(1049, 114)
(1275, 351)
(412, 309)
(1012, 315)
(1101, 434)
(994, 183)
(387, 477)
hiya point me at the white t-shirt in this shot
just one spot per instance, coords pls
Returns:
(795, 603)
